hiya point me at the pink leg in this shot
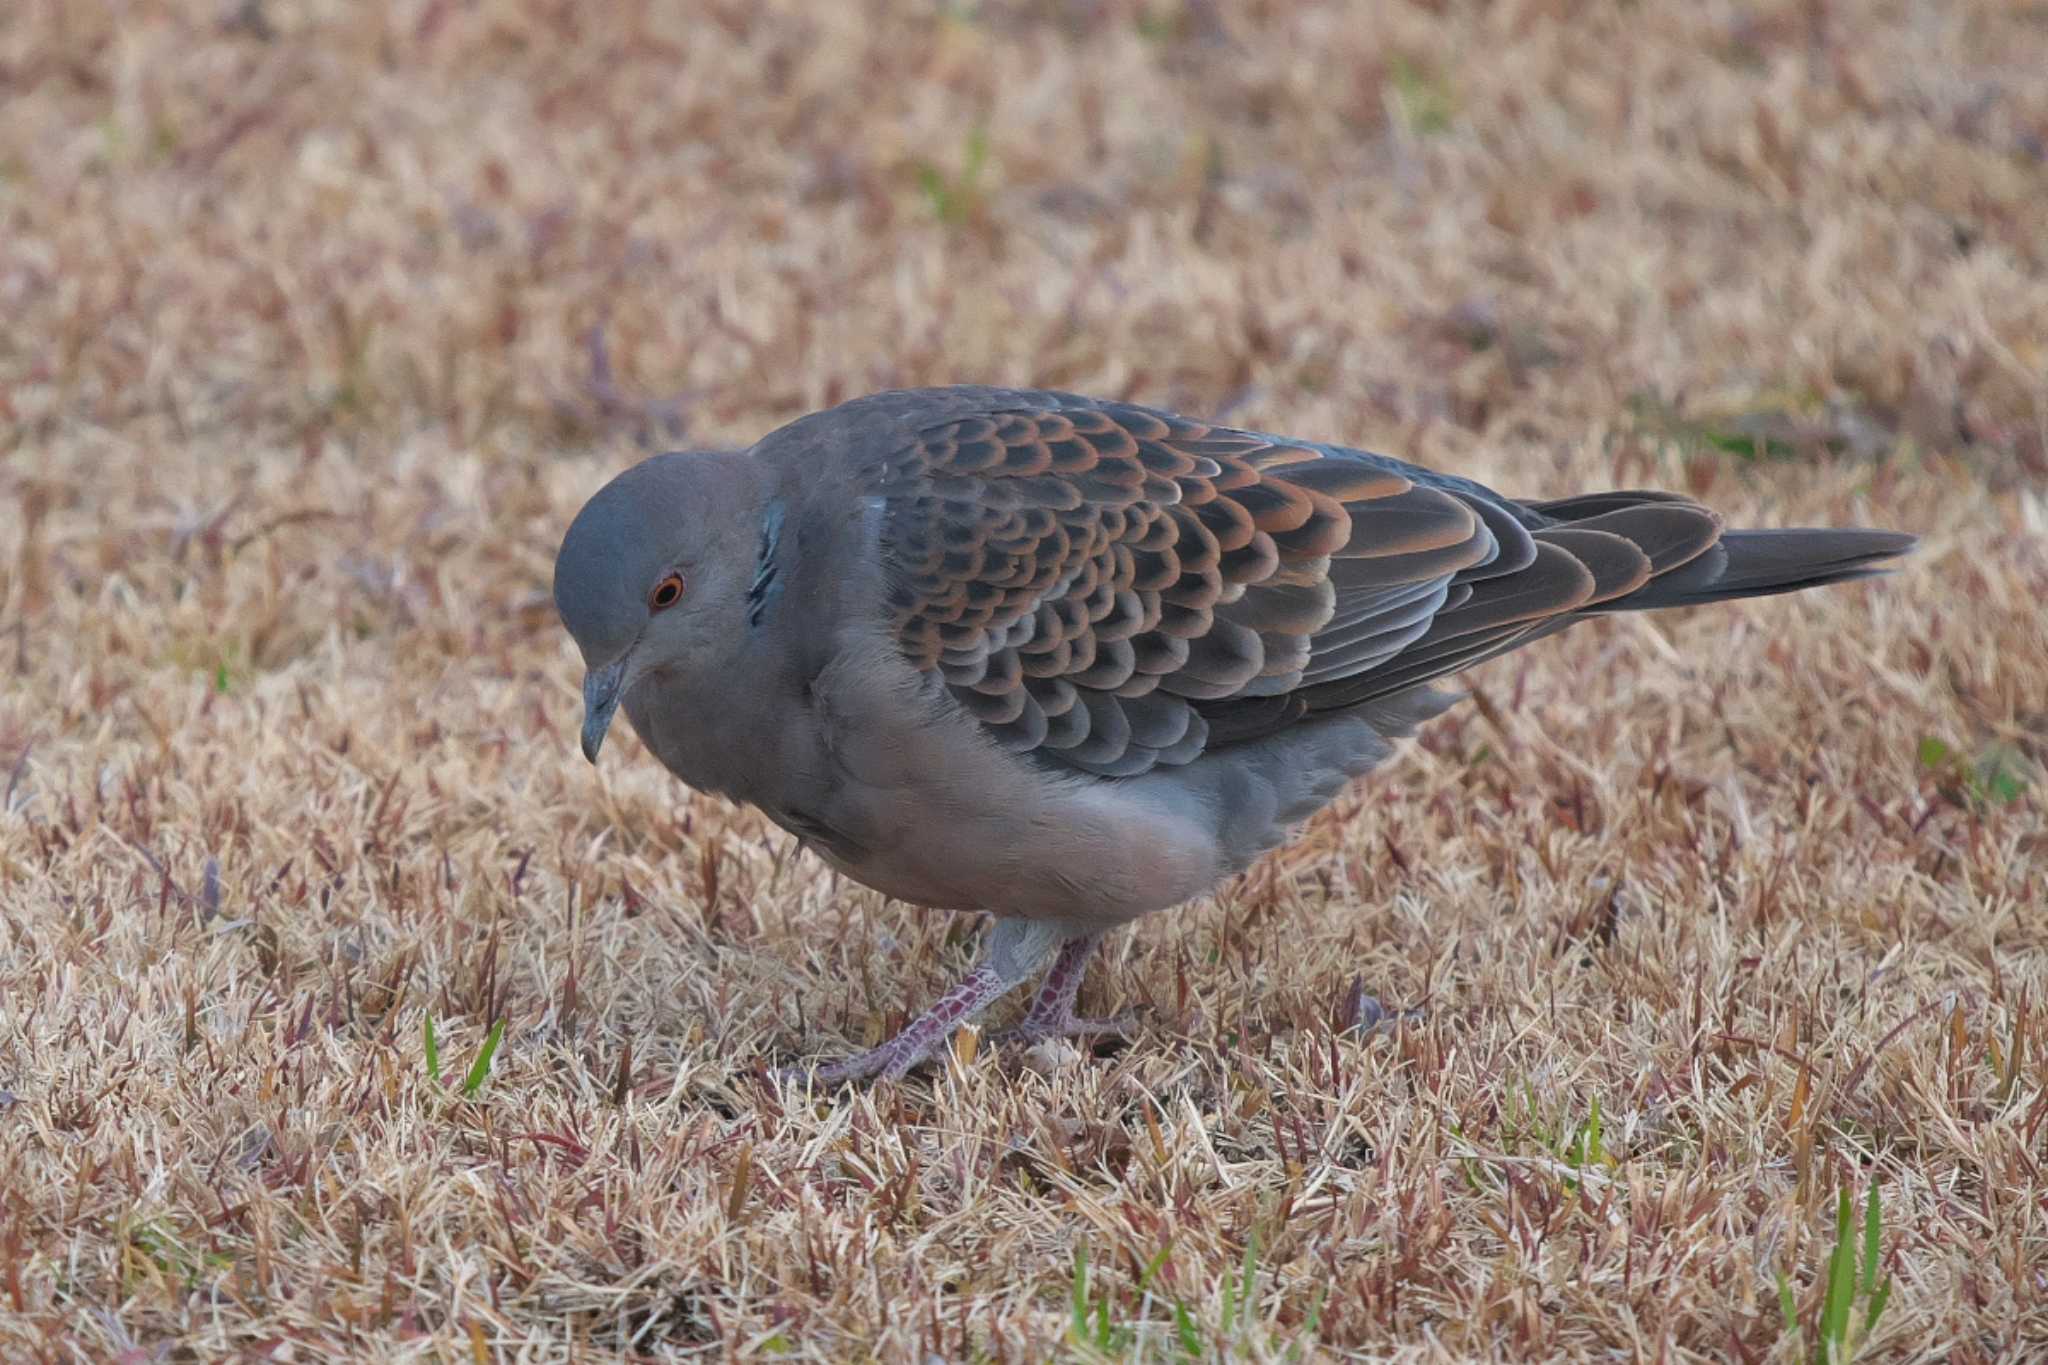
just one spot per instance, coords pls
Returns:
(922, 1036)
(1052, 1009)
(1014, 952)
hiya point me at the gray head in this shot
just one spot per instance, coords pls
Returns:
(653, 573)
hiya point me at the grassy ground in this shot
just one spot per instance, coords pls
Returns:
(321, 319)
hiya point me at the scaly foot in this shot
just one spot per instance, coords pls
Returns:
(1033, 1028)
(1015, 948)
(1052, 1009)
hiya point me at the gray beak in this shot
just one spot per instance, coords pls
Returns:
(601, 688)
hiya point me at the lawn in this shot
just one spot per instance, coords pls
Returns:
(346, 1013)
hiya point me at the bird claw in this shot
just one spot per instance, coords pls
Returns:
(892, 1063)
(1030, 1031)
(879, 1063)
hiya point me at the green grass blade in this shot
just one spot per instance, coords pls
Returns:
(481, 1067)
(1311, 1325)
(1582, 1148)
(1248, 1281)
(1184, 1329)
(1788, 1307)
(1841, 1286)
(977, 157)
(933, 186)
(1878, 1299)
(433, 1052)
(1872, 1230)
(1152, 1266)
(1080, 1305)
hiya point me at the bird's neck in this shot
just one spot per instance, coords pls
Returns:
(736, 725)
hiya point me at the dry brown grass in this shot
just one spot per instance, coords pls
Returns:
(321, 318)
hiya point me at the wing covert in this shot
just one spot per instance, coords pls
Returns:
(1114, 588)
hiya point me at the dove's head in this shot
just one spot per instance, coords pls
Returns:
(652, 577)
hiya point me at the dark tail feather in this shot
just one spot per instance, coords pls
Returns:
(1761, 563)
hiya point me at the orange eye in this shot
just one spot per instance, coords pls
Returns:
(667, 593)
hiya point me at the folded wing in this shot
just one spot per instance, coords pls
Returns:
(1114, 588)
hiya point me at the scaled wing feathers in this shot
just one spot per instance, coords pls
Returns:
(1114, 588)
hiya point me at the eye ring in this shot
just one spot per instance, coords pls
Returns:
(666, 594)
